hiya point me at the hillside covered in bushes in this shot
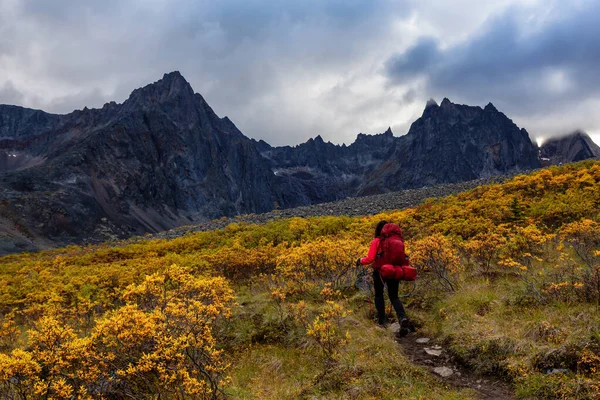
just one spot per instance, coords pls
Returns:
(509, 283)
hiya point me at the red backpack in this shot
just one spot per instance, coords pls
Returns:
(391, 245)
(395, 265)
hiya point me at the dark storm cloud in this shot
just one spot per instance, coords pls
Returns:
(417, 60)
(522, 67)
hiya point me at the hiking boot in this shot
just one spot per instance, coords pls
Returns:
(382, 326)
(405, 327)
(399, 308)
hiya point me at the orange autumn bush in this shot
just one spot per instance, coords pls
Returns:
(304, 267)
(436, 255)
(160, 343)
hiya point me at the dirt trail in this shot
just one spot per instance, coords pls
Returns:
(486, 387)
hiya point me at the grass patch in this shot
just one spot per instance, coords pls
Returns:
(543, 348)
(370, 365)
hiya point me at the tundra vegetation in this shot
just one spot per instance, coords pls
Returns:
(509, 283)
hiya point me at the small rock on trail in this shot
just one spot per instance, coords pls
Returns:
(557, 371)
(422, 340)
(444, 372)
(433, 352)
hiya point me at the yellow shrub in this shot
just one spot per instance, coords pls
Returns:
(160, 343)
(437, 255)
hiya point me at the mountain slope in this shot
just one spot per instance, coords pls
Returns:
(161, 159)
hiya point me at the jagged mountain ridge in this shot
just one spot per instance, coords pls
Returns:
(317, 171)
(448, 143)
(452, 143)
(163, 158)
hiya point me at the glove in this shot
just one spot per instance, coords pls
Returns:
(358, 262)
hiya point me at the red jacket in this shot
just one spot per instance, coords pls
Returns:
(372, 255)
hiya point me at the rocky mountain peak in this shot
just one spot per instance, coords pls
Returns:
(445, 108)
(173, 83)
(431, 104)
(473, 141)
(446, 103)
(174, 76)
(573, 147)
(172, 88)
(490, 107)
(580, 134)
(109, 105)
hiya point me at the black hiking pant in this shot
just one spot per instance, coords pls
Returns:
(392, 285)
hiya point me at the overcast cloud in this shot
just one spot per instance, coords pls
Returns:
(285, 71)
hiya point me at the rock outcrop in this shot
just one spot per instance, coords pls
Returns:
(576, 146)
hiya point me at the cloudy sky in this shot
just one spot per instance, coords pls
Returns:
(285, 71)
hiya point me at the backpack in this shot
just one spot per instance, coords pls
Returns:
(392, 245)
(395, 264)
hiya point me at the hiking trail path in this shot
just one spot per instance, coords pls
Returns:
(423, 351)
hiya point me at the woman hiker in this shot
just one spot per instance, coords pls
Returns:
(377, 257)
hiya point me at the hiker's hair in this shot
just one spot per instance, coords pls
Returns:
(379, 227)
